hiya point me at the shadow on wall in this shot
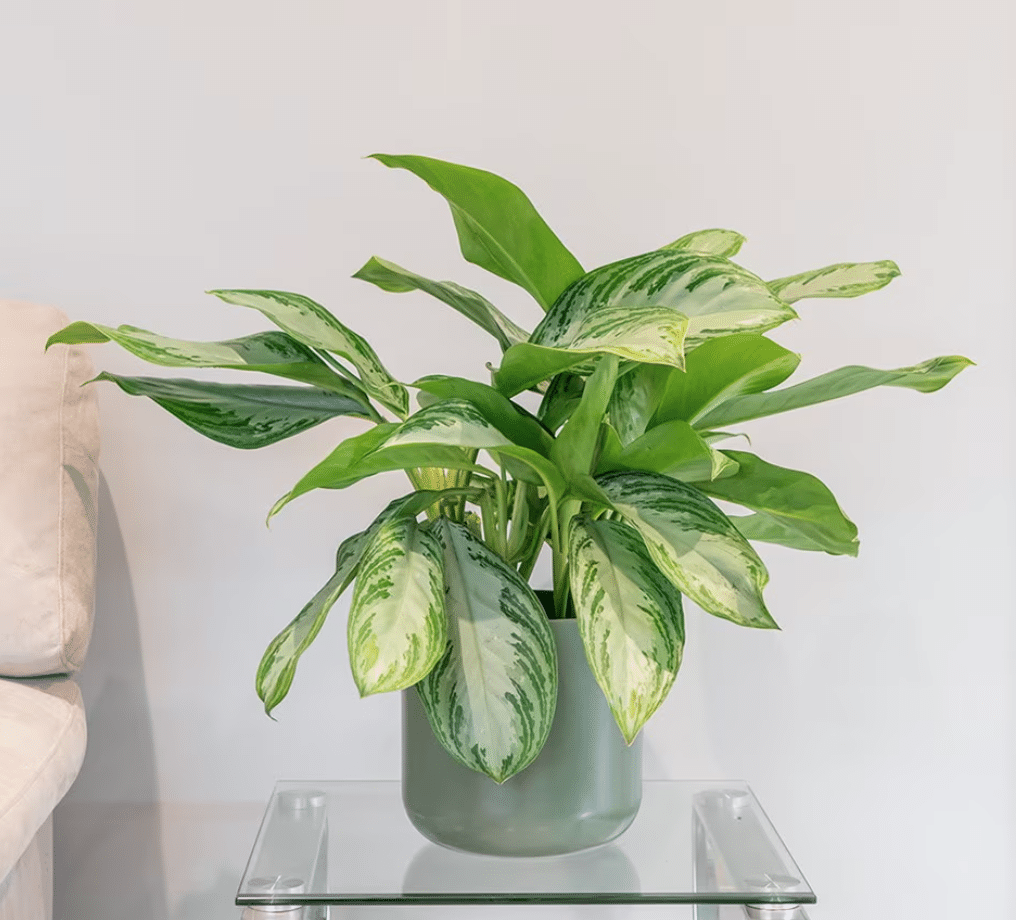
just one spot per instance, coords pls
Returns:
(103, 858)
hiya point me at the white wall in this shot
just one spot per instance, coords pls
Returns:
(153, 151)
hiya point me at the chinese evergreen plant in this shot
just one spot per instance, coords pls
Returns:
(642, 365)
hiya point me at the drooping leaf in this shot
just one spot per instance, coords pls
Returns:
(278, 665)
(721, 369)
(391, 277)
(246, 417)
(490, 700)
(310, 323)
(514, 421)
(675, 449)
(498, 227)
(723, 243)
(397, 627)
(717, 296)
(267, 352)
(649, 334)
(629, 617)
(798, 501)
(845, 279)
(926, 377)
(694, 544)
(575, 446)
(339, 465)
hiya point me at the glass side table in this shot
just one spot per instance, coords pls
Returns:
(706, 845)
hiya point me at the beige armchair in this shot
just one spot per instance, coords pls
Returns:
(49, 444)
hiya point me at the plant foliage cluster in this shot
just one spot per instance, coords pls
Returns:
(642, 366)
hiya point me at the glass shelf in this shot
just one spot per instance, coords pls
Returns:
(350, 843)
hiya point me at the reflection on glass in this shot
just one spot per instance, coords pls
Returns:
(436, 870)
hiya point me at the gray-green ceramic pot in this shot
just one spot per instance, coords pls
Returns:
(582, 790)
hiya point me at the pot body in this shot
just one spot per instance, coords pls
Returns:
(583, 789)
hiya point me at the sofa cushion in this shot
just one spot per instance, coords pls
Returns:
(49, 444)
(42, 746)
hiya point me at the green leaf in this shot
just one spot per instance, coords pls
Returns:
(391, 277)
(514, 421)
(278, 665)
(798, 501)
(845, 279)
(646, 334)
(717, 296)
(498, 227)
(635, 399)
(360, 457)
(246, 417)
(575, 447)
(397, 628)
(721, 369)
(677, 450)
(309, 322)
(267, 352)
(560, 400)
(490, 700)
(766, 529)
(629, 617)
(723, 243)
(926, 377)
(694, 544)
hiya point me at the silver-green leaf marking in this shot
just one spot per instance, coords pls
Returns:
(629, 617)
(694, 544)
(845, 279)
(309, 322)
(491, 698)
(717, 296)
(397, 629)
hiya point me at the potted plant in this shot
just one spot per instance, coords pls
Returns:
(641, 367)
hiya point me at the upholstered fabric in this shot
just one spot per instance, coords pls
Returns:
(49, 445)
(27, 892)
(42, 746)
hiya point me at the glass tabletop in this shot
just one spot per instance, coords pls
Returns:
(350, 843)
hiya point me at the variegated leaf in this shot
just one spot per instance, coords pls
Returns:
(629, 617)
(491, 698)
(635, 399)
(846, 279)
(694, 544)
(724, 243)
(397, 627)
(513, 420)
(391, 277)
(646, 334)
(267, 352)
(246, 417)
(451, 421)
(722, 369)
(717, 296)
(926, 377)
(278, 665)
(498, 227)
(309, 322)
(798, 500)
